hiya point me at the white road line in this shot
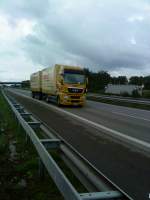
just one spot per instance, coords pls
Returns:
(132, 116)
(127, 115)
(122, 99)
(138, 143)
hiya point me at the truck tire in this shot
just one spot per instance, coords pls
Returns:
(58, 101)
(40, 96)
(33, 95)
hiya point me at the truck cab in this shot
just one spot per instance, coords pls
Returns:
(72, 86)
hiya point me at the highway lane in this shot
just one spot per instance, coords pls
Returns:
(138, 113)
(122, 99)
(127, 168)
(129, 121)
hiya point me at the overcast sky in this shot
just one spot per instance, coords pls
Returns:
(111, 35)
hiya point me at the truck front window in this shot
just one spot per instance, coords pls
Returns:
(74, 78)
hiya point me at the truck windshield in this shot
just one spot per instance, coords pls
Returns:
(74, 78)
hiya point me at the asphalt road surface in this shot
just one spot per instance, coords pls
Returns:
(121, 99)
(85, 129)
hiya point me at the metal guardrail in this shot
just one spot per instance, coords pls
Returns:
(127, 100)
(98, 185)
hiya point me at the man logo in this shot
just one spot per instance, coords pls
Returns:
(75, 90)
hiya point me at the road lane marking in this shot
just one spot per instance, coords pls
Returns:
(121, 99)
(119, 113)
(137, 142)
(132, 116)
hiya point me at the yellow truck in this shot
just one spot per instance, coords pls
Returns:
(66, 85)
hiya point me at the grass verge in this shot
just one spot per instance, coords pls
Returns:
(19, 163)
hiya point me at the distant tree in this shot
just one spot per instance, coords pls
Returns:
(103, 79)
(136, 80)
(122, 80)
(119, 80)
(25, 84)
(147, 82)
(87, 72)
(97, 81)
(114, 80)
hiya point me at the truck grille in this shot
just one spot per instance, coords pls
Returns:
(75, 101)
(75, 97)
(75, 90)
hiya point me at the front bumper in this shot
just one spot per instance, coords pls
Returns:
(72, 99)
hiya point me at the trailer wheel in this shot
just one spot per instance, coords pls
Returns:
(33, 95)
(47, 99)
(40, 96)
(58, 101)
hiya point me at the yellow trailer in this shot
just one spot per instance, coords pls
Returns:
(67, 85)
(35, 84)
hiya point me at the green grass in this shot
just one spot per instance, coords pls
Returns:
(146, 93)
(24, 167)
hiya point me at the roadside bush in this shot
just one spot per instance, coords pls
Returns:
(146, 93)
(125, 94)
(135, 94)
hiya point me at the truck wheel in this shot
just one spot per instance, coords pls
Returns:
(47, 99)
(40, 96)
(58, 101)
(33, 95)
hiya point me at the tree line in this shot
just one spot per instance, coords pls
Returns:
(98, 80)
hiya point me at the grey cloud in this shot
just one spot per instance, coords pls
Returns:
(3, 71)
(25, 9)
(92, 33)
(48, 52)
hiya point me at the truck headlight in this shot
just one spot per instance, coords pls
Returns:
(66, 97)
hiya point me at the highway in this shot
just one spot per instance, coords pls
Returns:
(87, 130)
(140, 101)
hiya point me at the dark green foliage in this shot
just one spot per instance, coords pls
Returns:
(125, 94)
(136, 80)
(146, 93)
(119, 80)
(140, 80)
(147, 82)
(25, 84)
(135, 94)
(114, 80)
(97, 81)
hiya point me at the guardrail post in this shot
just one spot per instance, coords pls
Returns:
(41, 169)
(18, 125)
(20, 109)
(34, 125)
(26, 138)
(26, 115)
